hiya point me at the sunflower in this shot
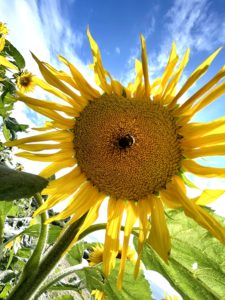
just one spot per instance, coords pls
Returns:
(25, 82)
(131, 143)
(3, 33)
(96, 255)
(3, 29)
(99, 295)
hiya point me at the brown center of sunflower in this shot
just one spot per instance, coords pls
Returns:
(128, 148)
(25, 81)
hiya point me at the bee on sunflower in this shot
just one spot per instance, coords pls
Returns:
(131, 143)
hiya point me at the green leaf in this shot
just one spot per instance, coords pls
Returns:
(6, 105)
(13, 126)
(93, 278)
(6, 132)
(196, 267)
(75, 255)
(64, 297)
(34, 231)
(132, 288)
(16, 184)
(13, 52)
(53, 233)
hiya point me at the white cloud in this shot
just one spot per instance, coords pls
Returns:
(117, 49)
(190, 24)
(194, 24)
(42, 27)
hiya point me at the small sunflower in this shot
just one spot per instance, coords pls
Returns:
(3, 29)
(131, 143)
(96, 255)
(3, 33)
(99, 295)
(25, 82)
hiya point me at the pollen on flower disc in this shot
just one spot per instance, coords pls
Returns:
(127, 148)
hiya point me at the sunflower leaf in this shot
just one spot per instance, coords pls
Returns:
(13, 52)
(17, 185)
(132, 288)
(196, 266)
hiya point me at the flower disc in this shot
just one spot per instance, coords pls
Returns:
(128, 148)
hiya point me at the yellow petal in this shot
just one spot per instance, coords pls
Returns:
(199, 129)
(170, 89)
(205, 151)
(82, 85)
(145, 66)
(57, 135)
(91, 216)
(98, 67)
(111, 246)
(173, 59)
(43, 147)
(159, 237)
(56, 166)
(210, 97)
(208, 140)
(47, 104)
(54, 81)
(76, 102)
(197, 74)
(4, 62)
(130, 220)
(183, 109)
(197, 213)
(193, 167)
(143, 211)
(54, 116)
(82, 201)
(56, 185)
(45, 157)
(208, 196)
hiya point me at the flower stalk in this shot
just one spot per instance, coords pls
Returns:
(31, 283)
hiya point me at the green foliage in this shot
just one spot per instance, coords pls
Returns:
(64, 297)
(17, 184)
(11, 51)
(196, 267)
(75, 255)
(132, 288)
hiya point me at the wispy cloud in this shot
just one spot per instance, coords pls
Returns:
(117, 49)
(191, 24)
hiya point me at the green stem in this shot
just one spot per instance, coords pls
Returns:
(33, 262)
(30, 285)
(55, 279)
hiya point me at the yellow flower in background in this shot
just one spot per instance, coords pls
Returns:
(97, 253)
(2, 43)
(130, 143)
(3, 29)
(3, 33)
(25, 82)
(99, 295)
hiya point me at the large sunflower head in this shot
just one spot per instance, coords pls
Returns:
(131, 143)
